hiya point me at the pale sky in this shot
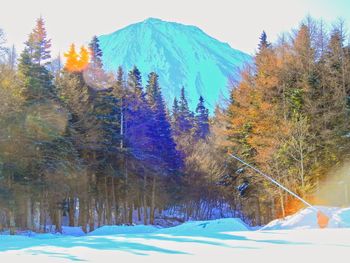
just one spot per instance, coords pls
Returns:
(238, 23)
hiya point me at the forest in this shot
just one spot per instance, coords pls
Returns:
(83, 147)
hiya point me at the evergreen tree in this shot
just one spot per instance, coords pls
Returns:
(175, 118)
(84, 58)
(107, 113)
(38, 45)
(119, 90)
(72, 59)
(76, 62)
(96, 53)
(201, 120)
(137, 121)
(263, 42)
(135, 82)
(185, 118)
(162, 141)
(37, 80)
(120, 77)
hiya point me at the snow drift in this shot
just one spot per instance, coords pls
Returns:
(307, 219)
(206, 227)
(118, 230)
(190, 242)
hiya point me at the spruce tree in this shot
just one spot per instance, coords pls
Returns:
(137, 116)
(37, 80)
(185, 118)
(263, 44)
(96, 53)
(175, 118)
(160, 130)
(72, 59)
(202, 120)
(135, 82)
(38, 45)
(120, 77)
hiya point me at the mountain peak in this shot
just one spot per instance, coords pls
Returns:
(181, 55)
(153, 20)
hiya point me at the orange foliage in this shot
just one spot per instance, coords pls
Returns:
(77, 62)
(84, 58)
(256, 120)
(294, 205)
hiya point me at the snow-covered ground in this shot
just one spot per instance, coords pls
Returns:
(305, 219)
(224, 240)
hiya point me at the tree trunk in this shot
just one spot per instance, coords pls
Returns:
(131, 209)
(114, 207)
(92, 215)
(107, 206)
(153, 201)
(144, 200)
(282, 204)
(138, 213)
(258, 211)
(82, 219)
(42, 217)
(71, 211)
(29, 213)
(12, 222)
(58, 220)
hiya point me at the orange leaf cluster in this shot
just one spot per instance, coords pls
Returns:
(77, 62)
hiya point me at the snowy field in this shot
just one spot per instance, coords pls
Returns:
(295, 239)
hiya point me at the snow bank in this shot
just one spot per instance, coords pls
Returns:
(72, 231)
(307, 219)
(206, 227)
(342, 216)
(123, 229)
(66, 231)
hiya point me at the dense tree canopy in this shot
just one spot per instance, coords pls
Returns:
(85, 147)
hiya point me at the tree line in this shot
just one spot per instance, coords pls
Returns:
(82, 147)
(289, 116)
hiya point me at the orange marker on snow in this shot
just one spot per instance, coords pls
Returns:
(322, 219)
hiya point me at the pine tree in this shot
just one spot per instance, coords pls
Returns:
(106, 111)
(120, 93)
(120, 77)
(84, 58)
(96, 53)
(162, 141)
(72, 59)
(175, 117)
(185, 118)
(137, 115)
(38, 45)
(37, 80)
(135, 82)
(263, 42)
(76, 62)
(201, 120)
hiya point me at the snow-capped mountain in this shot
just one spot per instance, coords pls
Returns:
(181, 55)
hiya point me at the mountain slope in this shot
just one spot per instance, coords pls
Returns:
(181, 55)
